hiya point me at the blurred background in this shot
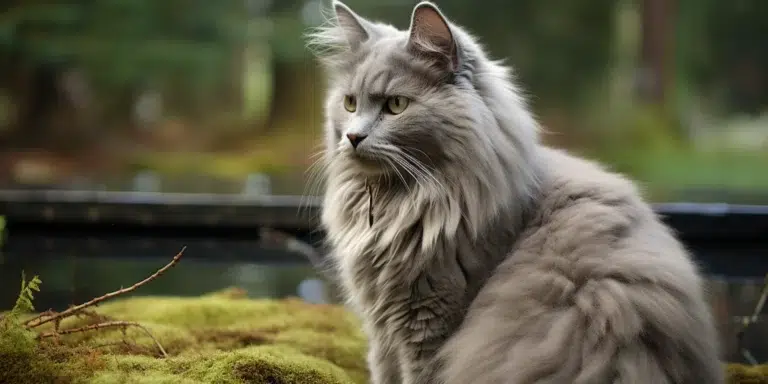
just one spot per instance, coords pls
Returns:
(202, 95)
(197, 96)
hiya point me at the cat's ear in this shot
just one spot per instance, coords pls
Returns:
(431, 34)
(356, 29)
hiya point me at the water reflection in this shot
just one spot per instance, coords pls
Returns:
(73, 275)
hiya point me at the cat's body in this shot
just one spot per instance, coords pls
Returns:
(476, 255)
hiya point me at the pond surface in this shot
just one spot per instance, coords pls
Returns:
(74, 270)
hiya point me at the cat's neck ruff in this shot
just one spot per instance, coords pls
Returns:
(411, 221)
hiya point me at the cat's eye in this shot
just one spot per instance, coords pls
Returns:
(350, 103)
(397, 104)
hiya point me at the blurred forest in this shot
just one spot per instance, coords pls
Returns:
(213, 96)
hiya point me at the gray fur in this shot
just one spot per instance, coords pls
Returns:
(490, 258)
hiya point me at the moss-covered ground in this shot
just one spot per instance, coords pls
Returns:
(223, 337)
(218, 338)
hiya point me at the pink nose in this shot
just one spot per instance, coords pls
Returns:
(355, 139)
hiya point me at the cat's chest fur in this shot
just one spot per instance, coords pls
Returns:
(380, 255)
(413, 270)
(379, 262)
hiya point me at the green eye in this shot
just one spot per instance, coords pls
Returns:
(397, 104)
(350, 103)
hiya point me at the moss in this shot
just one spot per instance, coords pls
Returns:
(744, 374)
(24, 360)
(18, 362)
(222, 337)
(343, 352)
(265, 364)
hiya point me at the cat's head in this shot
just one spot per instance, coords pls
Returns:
(420, 103)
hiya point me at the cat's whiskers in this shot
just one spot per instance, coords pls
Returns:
(391, 161)
(417, 174)
(397, 172)
(314, 179)
(423, 168)
(409, 148)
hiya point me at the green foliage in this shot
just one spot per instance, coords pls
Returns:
(24, 300)
(23, 359)
(559, 48)
(123, 43)
(722, 50)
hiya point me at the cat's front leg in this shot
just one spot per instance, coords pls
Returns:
(418, 367)
(424, 373)
(383, 362)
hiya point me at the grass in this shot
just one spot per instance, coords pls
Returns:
(677, 169)
(667, 174)
(274, 158)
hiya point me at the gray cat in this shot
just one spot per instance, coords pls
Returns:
(473, 253)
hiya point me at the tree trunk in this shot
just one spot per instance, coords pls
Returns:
(295, 89)
(656, 48)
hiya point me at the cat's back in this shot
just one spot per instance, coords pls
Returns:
(596, 222)
(596, 290)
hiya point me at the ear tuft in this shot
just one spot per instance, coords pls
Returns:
(430, 33)
(343, 32)
(354, 26)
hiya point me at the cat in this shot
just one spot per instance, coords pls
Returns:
(472, 252)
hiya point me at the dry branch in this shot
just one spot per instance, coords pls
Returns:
(49, 312)
(102, 321)
(109, 324)
(41, 319)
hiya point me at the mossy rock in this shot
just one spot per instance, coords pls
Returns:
(218, 338)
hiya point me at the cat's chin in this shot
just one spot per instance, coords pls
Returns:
(365, 164)
(369, 167)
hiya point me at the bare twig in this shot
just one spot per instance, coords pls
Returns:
(747, 321)
(109, 324)
(40, 320)
(49, 312)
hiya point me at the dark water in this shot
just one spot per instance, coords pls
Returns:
(76, 269)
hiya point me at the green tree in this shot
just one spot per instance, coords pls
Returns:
(724, 52)
(121, 47)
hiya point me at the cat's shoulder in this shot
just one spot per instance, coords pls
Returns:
(568, 174)
(584, 201)
(587, 214)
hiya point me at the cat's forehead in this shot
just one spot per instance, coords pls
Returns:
(386, 67)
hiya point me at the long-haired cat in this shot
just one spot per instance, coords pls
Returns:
(473, 253)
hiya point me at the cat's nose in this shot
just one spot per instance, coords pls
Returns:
(355, 139)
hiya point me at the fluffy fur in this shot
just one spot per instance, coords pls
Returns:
(490, 258)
